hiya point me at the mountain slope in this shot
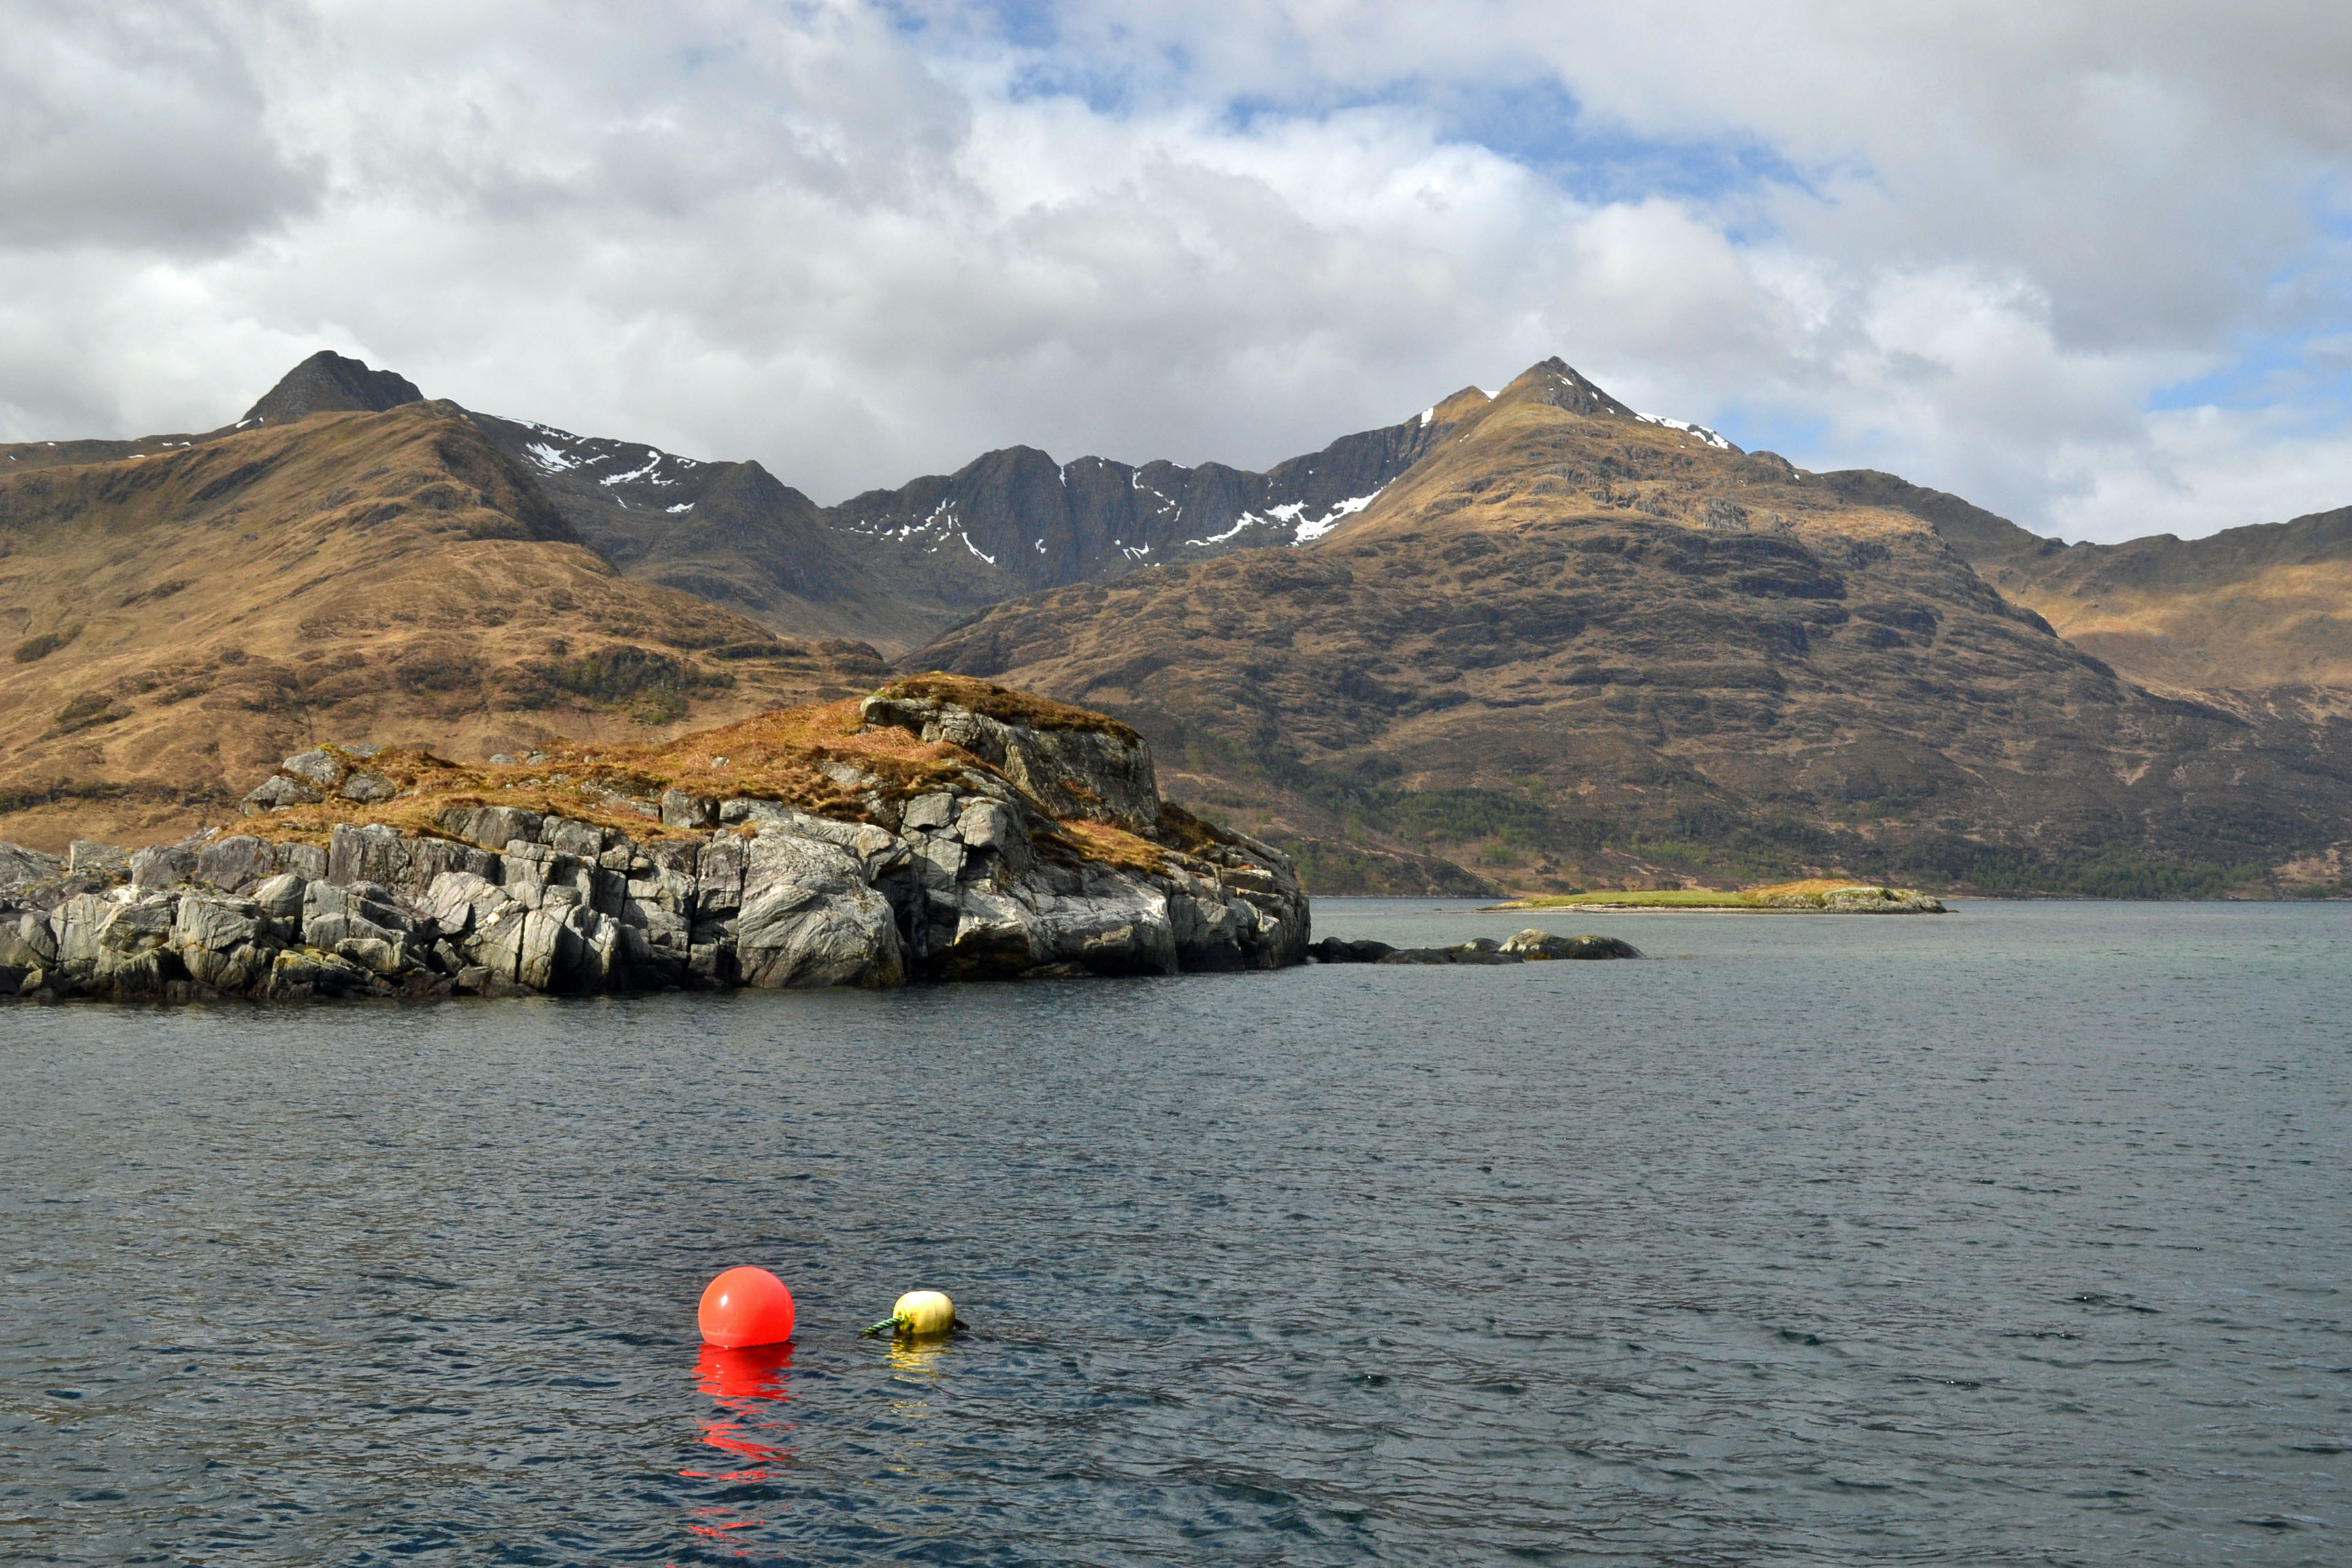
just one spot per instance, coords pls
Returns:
(732, 534)
(179, 620)
(2253, 619)
(1574, 645)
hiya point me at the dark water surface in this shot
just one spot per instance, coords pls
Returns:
(2015, 1236)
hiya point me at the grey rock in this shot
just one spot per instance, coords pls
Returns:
(163, 866)
(996, 937)
(317, 767)
(21, 867)
(429, 857)
(877, 849)
(808, 918)
(87, 857)
(206, 920)
(485, 924)
(18, 951)
(987, 825)
(1111, 935)
(941, 861)
(34, 932)
(550, 947)
(277, 792)
(719, 888)
(235, 861)
(368, 788)
(280, 896)
(113, 947)
(372, 853)
(302, 973)
(566, 836)
(362, 921)
(307, 861)
(931, 811)
(681, 809)
(228, 944)
(492, 827)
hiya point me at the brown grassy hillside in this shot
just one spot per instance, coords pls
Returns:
(2257, 620)
(1571, 647)
(171, 625)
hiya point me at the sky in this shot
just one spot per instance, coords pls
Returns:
(2088, 265)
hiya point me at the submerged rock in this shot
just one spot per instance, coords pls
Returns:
(1526, 947)
(1339, 950)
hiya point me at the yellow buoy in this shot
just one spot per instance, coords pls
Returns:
(919, 1313)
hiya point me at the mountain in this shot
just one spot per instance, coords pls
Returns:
(2250, 620)
(180, 613)
(894, 566)
(1572, 643)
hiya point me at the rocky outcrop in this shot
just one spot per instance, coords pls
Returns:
(1085, 766)
(977, 877)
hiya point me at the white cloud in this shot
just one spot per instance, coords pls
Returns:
(857, 249)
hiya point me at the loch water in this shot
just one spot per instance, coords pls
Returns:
(2018, 1235)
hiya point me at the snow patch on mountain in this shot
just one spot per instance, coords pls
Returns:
(1313, 529)
(653, 461)
(1701, 431)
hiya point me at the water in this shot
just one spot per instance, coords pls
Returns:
(2014, 1235)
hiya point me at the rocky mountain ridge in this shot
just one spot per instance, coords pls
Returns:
(937, 829)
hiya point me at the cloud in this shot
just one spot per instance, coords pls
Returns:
(1976, 247)
(137, 126)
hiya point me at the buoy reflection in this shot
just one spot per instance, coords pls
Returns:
(742, 1381)
(753, 1372)
(916, 1355)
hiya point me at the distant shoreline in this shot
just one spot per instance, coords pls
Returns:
(1820, 896)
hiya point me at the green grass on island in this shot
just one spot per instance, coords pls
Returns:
(1826, 895)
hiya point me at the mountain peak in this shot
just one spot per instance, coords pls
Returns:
(328, 383)
(1558, 383)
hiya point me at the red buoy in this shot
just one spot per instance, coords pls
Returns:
(746, 1305)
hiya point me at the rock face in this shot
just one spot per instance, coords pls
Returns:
(982, 877)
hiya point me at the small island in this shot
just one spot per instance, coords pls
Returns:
(1816, 895)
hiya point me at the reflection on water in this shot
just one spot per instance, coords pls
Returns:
(2012, 1235)
(743, 1383)
(917, 1356)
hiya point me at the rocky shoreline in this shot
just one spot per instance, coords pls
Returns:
(961, 832)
